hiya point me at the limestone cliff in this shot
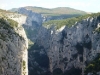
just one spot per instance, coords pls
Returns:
(13, 45)
(66, 51)
(33, 23)
(77, 45)
(69, 50)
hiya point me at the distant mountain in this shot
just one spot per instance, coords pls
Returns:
(53, 11)
(3, 12)
(14, 10)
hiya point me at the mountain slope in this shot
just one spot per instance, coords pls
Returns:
(69, 51)
(13, 45)
(67, 22)
(55, 11)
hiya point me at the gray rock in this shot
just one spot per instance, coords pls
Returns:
(13, 50)
(72, 46)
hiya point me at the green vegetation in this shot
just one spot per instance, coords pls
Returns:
(2, 22)
(69, 22)
(5, 20)
(93, 66)
(4, 25)
(12, 23)
(24, 65)
(55, 11)
(30, 43)
(8, 23)
(4, 12)
(98, 30)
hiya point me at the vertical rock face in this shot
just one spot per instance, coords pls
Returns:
(13, 48)
(33, 23)
(72, 48)
(31, 16)
(68, 50)
(78, 45)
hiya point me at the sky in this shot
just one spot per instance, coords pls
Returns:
(85, 5)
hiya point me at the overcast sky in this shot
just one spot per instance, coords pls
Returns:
(85, 5)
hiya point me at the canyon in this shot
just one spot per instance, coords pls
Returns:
(72, 49)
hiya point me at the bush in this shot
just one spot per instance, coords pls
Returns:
(93, 66)
(12, 23)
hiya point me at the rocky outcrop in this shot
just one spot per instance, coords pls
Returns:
(33, 23)
(31, 16)
(68, 49)
(13, 46)
(72, 47)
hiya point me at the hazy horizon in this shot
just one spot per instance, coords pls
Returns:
(84, 5)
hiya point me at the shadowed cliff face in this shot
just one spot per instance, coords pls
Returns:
(41, 61)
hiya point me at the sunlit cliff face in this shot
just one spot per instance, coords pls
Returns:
(13, 46)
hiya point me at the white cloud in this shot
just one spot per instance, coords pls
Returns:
(3, 6)
(12, 2)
